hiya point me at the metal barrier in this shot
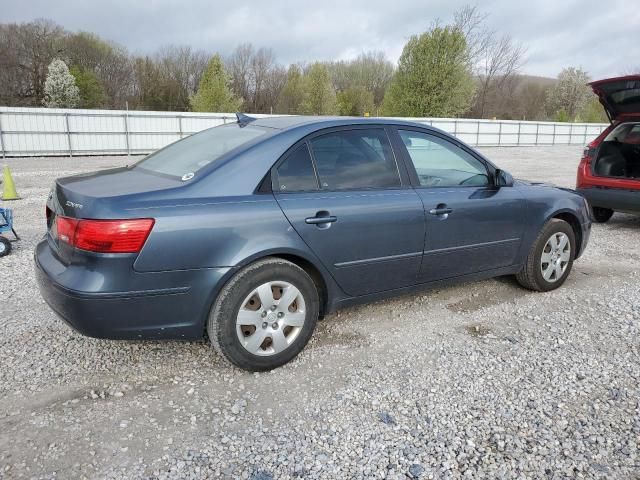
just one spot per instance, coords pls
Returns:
(43, 131)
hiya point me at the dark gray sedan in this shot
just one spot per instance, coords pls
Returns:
(249, 232)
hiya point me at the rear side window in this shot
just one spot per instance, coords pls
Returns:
(440, 163)
(296, 173)
(355, 159)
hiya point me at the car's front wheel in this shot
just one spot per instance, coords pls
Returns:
(602, 215)
(551, 257)
(265, 315)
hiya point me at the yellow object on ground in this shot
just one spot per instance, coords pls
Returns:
(9, 190)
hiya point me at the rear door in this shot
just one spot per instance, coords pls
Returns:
(471, 226)
(344, 194)
(620, 96)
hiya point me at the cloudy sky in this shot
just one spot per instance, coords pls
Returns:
(601, 37)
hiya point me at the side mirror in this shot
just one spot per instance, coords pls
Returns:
(503, 179)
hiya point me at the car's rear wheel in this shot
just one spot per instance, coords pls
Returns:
(551, 257)
(602, 215)
(265, 315)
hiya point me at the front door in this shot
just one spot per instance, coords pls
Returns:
(471, 225)
(343, 194)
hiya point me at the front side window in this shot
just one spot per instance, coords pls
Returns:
(440, 163)
(355, 159)
(295, 173)
(185, 157)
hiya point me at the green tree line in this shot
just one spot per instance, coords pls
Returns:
(457, 69)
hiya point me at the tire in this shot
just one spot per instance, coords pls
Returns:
(531, 276)
(5, 246)
(601, 215)
(257, 345)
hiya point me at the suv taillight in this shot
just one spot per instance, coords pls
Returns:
(104, 236)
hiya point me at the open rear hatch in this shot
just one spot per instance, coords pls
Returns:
(618, 154)
(620, 96)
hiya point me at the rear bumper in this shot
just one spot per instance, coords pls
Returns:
(618, 199)
(163, 305)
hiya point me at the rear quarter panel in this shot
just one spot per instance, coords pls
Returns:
(215, 232)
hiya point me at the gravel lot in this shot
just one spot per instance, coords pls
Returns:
(481, 380)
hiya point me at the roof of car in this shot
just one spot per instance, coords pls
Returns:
(292, 121)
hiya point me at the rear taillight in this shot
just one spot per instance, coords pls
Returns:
(104, 236)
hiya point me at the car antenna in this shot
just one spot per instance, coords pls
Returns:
(244, 120)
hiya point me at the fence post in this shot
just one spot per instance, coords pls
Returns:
(180, 125)
(553, 138)
(2, 137)
(66, 122)
(537, 130)
(477, 133)
(455, 128)
(499, 133)
(570, 133)
(585, 134)
(518, 141)
(126, 132)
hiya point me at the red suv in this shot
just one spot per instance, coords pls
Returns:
(609, 172)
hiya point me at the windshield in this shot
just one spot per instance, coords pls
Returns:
(185, 157)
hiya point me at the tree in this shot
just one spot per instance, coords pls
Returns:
(60, 90)
(355, 101)
(592, 112)
(273, 87)
(26, 50)
(292, 94)
(256, 77)
(110, 63)
(90, 88)
(214, 94)
(370, 71)
(433, 76)
(494, 60)
(319, 96)
(173, 76)
(570, 94)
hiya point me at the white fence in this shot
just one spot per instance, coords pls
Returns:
(44, 131)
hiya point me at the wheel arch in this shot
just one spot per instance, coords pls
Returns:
(327, 288)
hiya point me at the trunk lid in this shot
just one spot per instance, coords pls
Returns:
(620, 96)
(92, 195)
(100, 195)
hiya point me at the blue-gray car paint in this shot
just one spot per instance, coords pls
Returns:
(385, 241)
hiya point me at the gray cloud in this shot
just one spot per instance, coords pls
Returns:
(598, 37)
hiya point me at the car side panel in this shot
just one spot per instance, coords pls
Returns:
(545, 202)
(376, 242)
(217, 232)
(483, 231)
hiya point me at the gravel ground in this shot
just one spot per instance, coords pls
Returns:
(481, 380)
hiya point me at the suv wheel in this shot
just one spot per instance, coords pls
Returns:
(265, 315)
(601, 215)
(550, 259)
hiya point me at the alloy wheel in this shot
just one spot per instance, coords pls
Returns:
(555, 257)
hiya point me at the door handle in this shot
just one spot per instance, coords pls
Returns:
(321, 218)
(441, 210)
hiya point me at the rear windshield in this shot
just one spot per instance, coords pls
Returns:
(185, 157)
(625, 133)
